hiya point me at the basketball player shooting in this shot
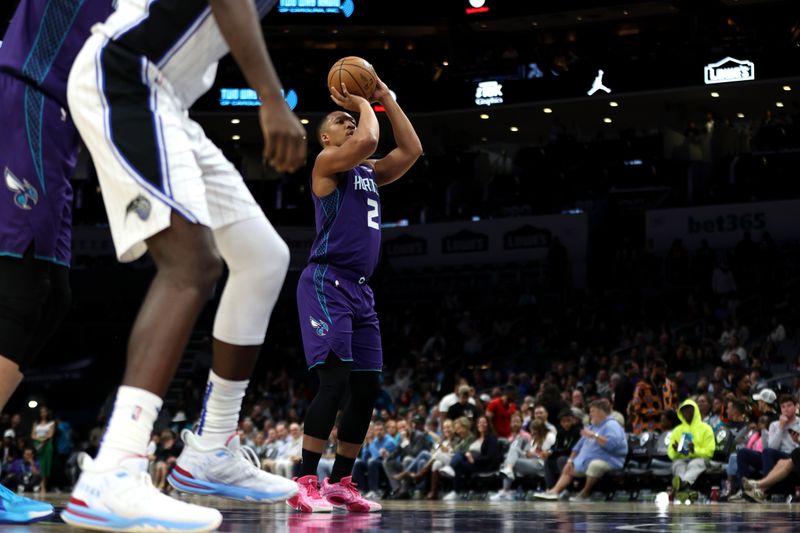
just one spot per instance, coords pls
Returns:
(341, 334)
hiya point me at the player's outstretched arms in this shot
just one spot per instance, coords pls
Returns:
(409, 148)
(285, 142)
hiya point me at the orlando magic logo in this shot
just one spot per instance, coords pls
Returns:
(139, 205)
(25, 196)
(319, 326)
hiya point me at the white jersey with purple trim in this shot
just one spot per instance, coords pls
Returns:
(179, 37)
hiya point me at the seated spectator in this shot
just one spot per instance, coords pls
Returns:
(247, 432)
(651, 397)
(452, 398)
(526, 456)
(734, 348)
(716, 415)
(483, 455)
(260, 446)
(704, 406)
(465, 405)
(601, 449)
(756, 489)
(455, 435)
(691, 446)
(765, 405)
(754, 442)
(406, 457)
(9, 452)
(780, 443)
(579, 406)
(368, 467)
(499, 411)
(23, 474)
(278, 446)
(540, 413)
(272, 447)
(286, 463)
(569, 433)
(167, 452)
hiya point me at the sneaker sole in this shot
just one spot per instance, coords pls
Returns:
(307, 508)
(91, 519)
(353, 507)
(29, 517)
(195, 486)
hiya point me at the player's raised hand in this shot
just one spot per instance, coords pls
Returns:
(343, 98)
(381, 92)
(285, 142)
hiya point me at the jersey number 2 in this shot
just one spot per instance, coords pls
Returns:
(372, 214)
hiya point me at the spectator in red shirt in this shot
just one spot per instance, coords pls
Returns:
(499, 412)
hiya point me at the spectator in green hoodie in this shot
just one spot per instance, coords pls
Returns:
(691, 446)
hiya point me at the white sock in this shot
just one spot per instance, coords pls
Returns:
(220, 415)
(128, 432)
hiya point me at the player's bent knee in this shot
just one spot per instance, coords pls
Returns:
(203, 269)
(258, 260)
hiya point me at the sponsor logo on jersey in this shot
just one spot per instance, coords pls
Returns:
(25, 195)
(139, 205)
(320, 326)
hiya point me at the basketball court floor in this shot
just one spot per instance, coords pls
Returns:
(491, 517)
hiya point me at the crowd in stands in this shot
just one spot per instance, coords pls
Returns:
(498, 380)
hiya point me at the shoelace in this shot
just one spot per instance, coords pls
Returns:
(311, 489)
(351, 487)
(251, 457)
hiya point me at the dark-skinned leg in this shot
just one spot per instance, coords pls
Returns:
(187, 267)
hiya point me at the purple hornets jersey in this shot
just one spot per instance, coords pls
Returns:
(349, 225)
(38, 158)
(43, 39)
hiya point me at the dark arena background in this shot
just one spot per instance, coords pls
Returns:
(608, 207)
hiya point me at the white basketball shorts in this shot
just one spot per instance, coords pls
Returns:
(151, 158)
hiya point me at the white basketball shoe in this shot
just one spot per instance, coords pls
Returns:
(120, 499)
(231, 471)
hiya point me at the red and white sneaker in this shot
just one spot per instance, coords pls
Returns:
(345, 494)
(308, 499)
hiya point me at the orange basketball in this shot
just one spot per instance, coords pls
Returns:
(357, 75)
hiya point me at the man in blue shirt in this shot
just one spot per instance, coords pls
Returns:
(601, 449)
(371, 460)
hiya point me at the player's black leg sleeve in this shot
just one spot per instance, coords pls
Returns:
(54, 310)
(364, 390)
(321, 414)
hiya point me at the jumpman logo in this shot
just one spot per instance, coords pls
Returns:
(598, 84)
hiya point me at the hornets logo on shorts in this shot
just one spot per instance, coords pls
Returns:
(25, 196)
(319, 326)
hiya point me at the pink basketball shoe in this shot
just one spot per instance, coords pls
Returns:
(345, 494)
(307, 499)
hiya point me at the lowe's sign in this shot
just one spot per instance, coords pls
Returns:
(346, 7)
(729, 70)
